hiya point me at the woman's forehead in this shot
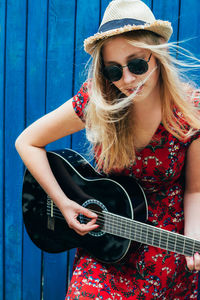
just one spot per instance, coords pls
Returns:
(120, 46)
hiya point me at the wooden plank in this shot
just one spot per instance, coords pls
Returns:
(59, 89)
(60, 52)
(14, 122)
(189, 29)
(169, 11)
(83, 30)
(35, 108)
(32, 265)
(2, 103)
(55, 270)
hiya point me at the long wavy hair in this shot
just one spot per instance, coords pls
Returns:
(110, 114)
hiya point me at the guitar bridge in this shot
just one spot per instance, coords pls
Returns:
(51, 223)
(50, 212)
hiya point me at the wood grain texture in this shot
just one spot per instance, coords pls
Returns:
(59, 83)
(34, 108)
(14, 123)
(2, 152)
(189, 32)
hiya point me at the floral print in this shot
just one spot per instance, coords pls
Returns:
(148, 273)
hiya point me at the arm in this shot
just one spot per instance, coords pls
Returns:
(192, 200)
(31, 147)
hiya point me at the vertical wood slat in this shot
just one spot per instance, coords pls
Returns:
(2, 70)
(59, 89)
(87, 22)
(190, 29)
(169, 11)
(14, 123)
(35, 108)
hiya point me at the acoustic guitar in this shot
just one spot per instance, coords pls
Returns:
(119, 202)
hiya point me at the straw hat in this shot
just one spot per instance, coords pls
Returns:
(126, 15)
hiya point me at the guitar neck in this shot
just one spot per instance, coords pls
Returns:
(150, 235)
(139, 232)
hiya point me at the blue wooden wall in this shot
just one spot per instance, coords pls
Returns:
(42, 64)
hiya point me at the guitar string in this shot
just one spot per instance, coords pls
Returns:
(169, 245)
(131, 221)
(188, 250)
(101, 221)
(156, 231)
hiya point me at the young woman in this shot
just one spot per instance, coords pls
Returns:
(143, 122)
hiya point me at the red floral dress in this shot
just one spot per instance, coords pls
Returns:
(150, 273)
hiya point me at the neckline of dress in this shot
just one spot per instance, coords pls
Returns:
(152, 139)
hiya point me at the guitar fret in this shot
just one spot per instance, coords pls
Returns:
(156, 238)
(130, 231)
(139, 232)
(150, 236)
(180, 244)
(134, 236)
(126, 225)
(171, 241)
(196, 246)
(113, 227)
(143, 233)
(163, 240)
(189, 247)
(121, 226)
(106, 228)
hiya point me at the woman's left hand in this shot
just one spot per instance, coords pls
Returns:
(193, 262)
(192, 200)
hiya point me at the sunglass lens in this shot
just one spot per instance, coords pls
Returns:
(138, 66)
(112, 73)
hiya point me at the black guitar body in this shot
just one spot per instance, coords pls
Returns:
(81, 183)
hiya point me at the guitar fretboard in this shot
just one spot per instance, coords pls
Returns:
(150, 235)
(138, 232)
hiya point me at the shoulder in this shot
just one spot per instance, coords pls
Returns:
(81, 99)
(82, 94)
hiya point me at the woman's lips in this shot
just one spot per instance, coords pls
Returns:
(131, 91)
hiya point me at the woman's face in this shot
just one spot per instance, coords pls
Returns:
(118, 51)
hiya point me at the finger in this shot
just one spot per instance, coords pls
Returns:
(190, 262)
(92, 222)
(197, 261)
(86, 212)
(83, 229)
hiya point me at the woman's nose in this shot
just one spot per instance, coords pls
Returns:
(127, 75)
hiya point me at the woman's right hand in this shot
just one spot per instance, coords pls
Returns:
(31, 146)
(72, 210)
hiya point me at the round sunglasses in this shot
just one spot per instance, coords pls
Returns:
(136, 66)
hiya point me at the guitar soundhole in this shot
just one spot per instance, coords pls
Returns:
(99, 208)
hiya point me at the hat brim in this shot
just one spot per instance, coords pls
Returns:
(162, 28)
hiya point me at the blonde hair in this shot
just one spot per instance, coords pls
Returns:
(109, 115)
